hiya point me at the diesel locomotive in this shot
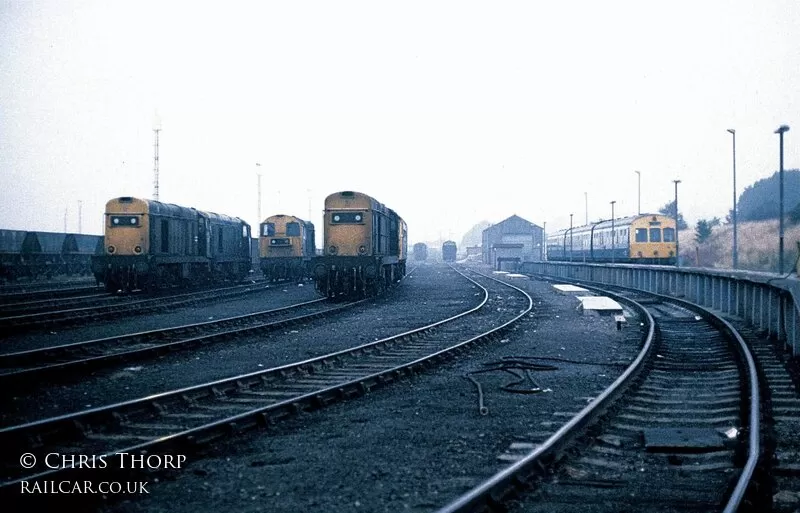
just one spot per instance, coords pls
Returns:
(420, 251)
(286, 248)
(449, 249)
(149, 245)
(365, 247)
(643, 239)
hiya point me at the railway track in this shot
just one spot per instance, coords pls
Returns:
(59, 300)
(125, 305)
(43, 286)
(19, 299)
(185, 419)
(36, 366)
(679, 430)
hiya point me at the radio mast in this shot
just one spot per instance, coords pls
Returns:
(156, 130)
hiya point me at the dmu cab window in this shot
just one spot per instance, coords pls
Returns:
(655, 234)
(268, 229)
(293, 229)
(641, 235)
(347, 218)
(124, 221)
(669, 234)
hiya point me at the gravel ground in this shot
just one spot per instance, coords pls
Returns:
(422, 298)
(419, 443)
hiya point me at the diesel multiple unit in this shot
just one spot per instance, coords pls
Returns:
(643, 239)
(149, 244)
(365, 246)
(286, 248)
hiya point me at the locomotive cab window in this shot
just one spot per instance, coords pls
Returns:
(655, 234)
(124, 221)
(293, 229)
(641, 235)
(347, 218)
(268, 229)
(669, 235)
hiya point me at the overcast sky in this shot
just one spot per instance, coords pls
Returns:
(449, 112)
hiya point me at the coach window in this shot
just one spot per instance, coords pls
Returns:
(641, 235)
(669, 235)
(655, 234)
(292, 229)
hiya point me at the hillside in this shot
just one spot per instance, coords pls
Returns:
(757, 243)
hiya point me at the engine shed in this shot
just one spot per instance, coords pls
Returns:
(509, 243)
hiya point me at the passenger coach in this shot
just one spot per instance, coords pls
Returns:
(644, 239)
(365, 246)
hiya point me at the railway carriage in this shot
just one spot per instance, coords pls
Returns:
(644, 239)
(286, 248)
(33, 254)
(149, 244)
(365, 246)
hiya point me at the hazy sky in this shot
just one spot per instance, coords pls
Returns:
(449, 112)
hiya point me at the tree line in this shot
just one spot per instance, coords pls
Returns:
(758, 202)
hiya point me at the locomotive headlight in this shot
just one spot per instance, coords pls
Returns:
(358, 218)
(111, 250)
(333, 250)
(362, 250)
(137, 249)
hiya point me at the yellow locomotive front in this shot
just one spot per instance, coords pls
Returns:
(652, 239)
(364, 246)
(126, 242)
(348, 225)
(286, 246)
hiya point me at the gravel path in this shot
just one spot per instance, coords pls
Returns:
(419, 443)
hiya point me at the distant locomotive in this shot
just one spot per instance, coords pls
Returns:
(149, 244)
(449, 251)
(31, 254)
(286, 248)
(644, 239)
(420, 251)
(365, 246)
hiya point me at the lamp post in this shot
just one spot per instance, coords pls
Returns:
(544, 241)
(639, 178)
(735, 245)
(570, 237)
(780, 131)
(677, 228)
(586, 202)
(612, 232)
